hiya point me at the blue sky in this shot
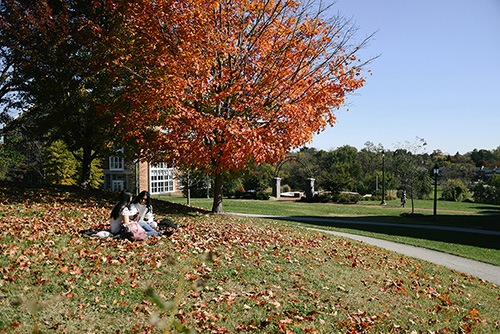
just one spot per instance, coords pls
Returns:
(437, 77)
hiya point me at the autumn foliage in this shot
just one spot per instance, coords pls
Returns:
(231, 80)
(206, 85)
(215, 274)
(217, 84)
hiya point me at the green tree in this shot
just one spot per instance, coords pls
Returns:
(339, 169)
(196, 184)
(96, 174)
(413, 176)
(295, 172)
(258, 178)
(488, 193)
(59, 61)
(454, 190)
(10, 157)
(496, 155)
(23, 156)
(481, 157)
(464, 172)
(494, 180)
(370, 163)
(59, 164)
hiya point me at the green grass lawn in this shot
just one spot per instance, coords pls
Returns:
(358, 211)
(474, 246)
(216, 274)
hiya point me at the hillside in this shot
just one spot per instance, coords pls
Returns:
(216, 274)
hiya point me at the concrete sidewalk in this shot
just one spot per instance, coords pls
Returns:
(478, 269)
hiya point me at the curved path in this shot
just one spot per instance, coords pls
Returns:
(485, 271)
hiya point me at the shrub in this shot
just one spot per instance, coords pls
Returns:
(484, 193)
(346, 198)
(388, 197)
(263, 195)
(229, 187)
(454, 190)
(259, 195)
(494, 181)
(248, 195)
(319, 198)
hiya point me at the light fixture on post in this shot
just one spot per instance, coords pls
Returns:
(436, 172)
(383, 179)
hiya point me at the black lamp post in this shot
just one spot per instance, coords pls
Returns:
(436, 172)
(383, 179)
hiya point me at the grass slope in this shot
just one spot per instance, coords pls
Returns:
(480, 247)
(217, 274)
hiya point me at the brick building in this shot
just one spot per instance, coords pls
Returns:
(120, 174)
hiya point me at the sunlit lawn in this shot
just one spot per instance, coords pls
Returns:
(474, 246)
(448, 213)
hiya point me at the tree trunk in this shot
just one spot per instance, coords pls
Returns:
(188, 189)
(86, 168)
(219, 181)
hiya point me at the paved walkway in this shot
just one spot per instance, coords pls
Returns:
(478, 269)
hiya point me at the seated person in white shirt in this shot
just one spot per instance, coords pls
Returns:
(141, 211)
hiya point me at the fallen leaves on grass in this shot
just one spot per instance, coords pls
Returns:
(242, 276)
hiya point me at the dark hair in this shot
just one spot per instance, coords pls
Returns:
(125, 199)
(143, 193)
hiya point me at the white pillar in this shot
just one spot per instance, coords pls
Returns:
(277, 187)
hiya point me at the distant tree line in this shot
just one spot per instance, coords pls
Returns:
(407, 168)
(336, 172)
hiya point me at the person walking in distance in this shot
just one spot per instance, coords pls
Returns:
(403, 199)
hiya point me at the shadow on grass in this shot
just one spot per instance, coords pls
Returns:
(164, 207)
(490, 210)
(12, 192)
(457, 237)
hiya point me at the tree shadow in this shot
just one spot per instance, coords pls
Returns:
(490, 208)
(17, 193)
(458, 237)
(161, 206)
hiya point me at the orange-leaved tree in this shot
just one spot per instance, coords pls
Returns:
(216, 84)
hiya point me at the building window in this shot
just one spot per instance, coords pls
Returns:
(162, 179)
(116, 163)
(116, 182)
(118, 185)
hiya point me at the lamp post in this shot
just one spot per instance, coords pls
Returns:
(383, 179)
(436, 172)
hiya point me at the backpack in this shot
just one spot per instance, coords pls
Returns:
(133, 232)
(166, 223)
